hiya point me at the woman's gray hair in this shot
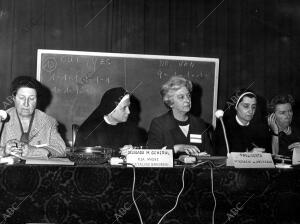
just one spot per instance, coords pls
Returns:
(173, 84)
(280, 99)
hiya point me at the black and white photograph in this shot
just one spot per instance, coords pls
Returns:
(149, 111)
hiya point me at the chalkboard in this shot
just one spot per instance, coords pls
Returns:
(78, 79)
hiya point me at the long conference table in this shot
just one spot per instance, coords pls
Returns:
(102, 194)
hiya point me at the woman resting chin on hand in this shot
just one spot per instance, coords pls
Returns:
(285, 135)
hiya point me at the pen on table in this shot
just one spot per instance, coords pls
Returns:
(41, 145)
(253, 144)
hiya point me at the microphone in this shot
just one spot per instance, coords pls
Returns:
(3, 115)
(219, 114)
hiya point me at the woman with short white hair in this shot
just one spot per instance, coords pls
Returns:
(178, 129)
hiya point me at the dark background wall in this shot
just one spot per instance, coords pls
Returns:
(257, 41)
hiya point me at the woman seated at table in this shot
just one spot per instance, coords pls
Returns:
(178, 129)
(243, 133)
(28, 131)
(285, 135)
(107, 126)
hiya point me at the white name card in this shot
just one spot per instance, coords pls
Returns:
(296, 156)
(150, 157)
(251, 160)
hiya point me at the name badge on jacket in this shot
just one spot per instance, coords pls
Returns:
(195, 138)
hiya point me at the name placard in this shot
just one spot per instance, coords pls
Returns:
(150, 157)
(296, 156)
(251, 160)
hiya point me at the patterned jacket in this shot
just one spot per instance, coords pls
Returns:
(43, 131)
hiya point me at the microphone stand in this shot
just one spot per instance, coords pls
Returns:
(225, 136)
(2, 121)
(229, 161)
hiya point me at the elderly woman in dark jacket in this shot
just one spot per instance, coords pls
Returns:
(178, 129)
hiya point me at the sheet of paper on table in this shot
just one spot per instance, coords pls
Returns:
(49, 161)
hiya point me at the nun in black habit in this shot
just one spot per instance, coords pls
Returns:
(107, 126)
(246, 131)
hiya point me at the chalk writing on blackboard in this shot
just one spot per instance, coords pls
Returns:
(67, 59)
(162, 74)
(49, 64)
(189, 64)
(163, 63)
(94, 79)
(73, 90)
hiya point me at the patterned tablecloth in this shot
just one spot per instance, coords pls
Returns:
(100, 194)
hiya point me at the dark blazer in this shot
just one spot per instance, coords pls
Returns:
(164, 131)
(285, 140)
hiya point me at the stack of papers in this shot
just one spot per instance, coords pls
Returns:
(50, 161)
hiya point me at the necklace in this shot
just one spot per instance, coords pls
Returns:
(287, 130)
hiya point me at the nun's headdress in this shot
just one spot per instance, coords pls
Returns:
(110, 100)
(237, 97)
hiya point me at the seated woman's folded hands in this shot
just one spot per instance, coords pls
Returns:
(20, 149)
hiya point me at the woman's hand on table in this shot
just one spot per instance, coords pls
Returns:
(32, 151)
(258, 150)
(294, 145)
(20, 149)
(188, 149)
(124, 150)
(13, 146)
